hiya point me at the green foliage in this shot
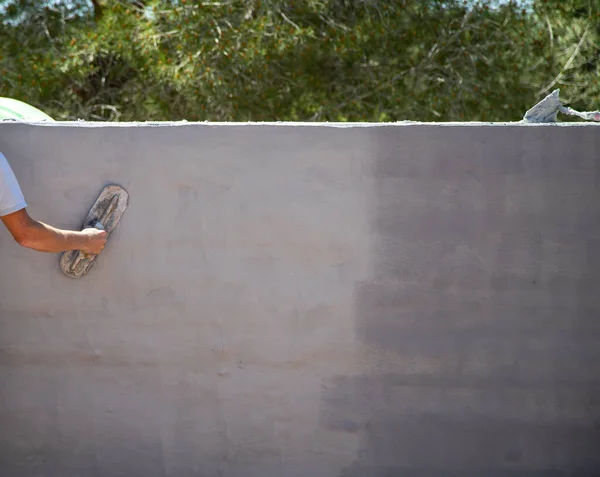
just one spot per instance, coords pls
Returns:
(324, 60)
(573, 28)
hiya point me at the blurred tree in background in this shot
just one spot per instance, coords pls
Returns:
(308, 60)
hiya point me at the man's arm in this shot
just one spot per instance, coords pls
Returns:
(36, 235)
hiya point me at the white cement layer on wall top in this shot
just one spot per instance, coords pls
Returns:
(102, 124)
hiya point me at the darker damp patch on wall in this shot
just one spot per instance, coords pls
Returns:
(481, 313)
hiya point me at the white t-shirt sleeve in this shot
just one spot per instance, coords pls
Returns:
(11, 197)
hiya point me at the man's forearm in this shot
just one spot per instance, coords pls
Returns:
(45, 238)
(42, 237)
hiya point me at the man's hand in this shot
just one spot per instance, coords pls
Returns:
(94, 241)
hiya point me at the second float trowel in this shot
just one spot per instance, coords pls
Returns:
(105, 215)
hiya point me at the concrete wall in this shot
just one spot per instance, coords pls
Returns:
(396, 300)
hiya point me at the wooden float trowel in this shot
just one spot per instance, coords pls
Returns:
(105, 215)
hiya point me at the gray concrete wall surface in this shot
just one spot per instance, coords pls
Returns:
(411, 300)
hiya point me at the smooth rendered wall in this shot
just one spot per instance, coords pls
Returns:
(306, 300)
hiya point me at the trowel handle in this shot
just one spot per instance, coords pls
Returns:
(81, 255)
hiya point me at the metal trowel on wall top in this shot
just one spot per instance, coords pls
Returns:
(546, 111)
(105, 215)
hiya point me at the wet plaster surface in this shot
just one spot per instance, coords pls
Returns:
(400, 300)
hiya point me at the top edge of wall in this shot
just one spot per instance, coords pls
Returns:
(103, 124)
